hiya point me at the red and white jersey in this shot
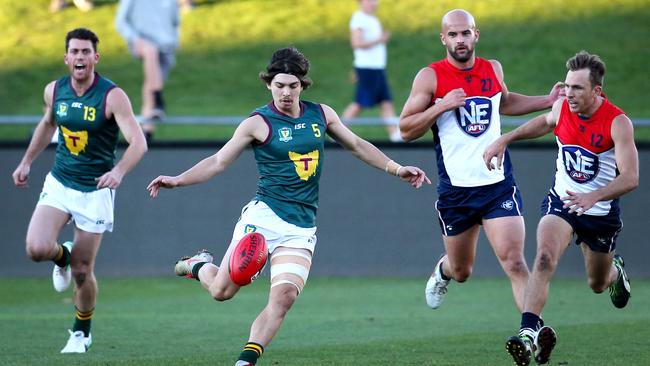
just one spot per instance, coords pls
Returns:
(585, 157)
(461, 135)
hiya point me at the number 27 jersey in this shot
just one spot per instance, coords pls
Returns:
(462, 135)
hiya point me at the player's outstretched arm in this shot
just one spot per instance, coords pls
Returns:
(369, 153)
(536, 127)
(118, 105)
(515, 104)
(40, 139)
(627, 163)
(251, 129)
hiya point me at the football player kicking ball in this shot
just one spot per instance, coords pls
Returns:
(287, 136)
(597, 163)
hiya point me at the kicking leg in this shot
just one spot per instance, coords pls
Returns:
(201, 268)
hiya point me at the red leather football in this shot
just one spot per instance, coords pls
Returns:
(248, 259)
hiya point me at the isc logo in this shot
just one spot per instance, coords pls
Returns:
(77, 105)
(475, 116)
(580, 164)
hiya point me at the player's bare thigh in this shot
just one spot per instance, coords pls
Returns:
(86, 246)
(506, 235)
(44, 228)
(553, 238)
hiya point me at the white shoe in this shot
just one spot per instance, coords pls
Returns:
(436, 287)
(62, 276)
(184, 266)
(77, 343)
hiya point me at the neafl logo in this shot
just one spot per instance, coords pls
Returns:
(580, 164)
(475, 116)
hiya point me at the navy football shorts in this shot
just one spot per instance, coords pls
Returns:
(598, 232)
(460, 208)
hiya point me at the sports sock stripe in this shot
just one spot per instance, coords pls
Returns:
(59, 254)
(257, 348)
(84, 315)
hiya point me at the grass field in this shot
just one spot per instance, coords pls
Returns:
(225, 43)
(169, 321)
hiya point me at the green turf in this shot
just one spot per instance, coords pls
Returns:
(225, 43)
(173, 321)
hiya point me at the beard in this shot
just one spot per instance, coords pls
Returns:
(469, 52)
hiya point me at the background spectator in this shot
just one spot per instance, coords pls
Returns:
(150, 28)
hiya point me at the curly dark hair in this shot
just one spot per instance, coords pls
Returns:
(287, 61)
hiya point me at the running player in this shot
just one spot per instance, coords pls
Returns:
(460, 98)
(597, 162)
(90, 112)
(287, 136)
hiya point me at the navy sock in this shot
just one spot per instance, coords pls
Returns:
(530, 321)
(442, 273)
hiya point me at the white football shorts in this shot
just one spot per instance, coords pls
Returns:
(90, 211)
(258, 217)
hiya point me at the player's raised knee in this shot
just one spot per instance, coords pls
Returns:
(38, 250)
(221, 293)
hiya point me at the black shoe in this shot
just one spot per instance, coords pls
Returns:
(520, 348)
(619, 291)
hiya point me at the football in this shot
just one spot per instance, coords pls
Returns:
(248, 259)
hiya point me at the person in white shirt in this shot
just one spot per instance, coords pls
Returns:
(369, 40)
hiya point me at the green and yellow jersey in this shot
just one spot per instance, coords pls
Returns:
(87, 139)
(290, 162)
